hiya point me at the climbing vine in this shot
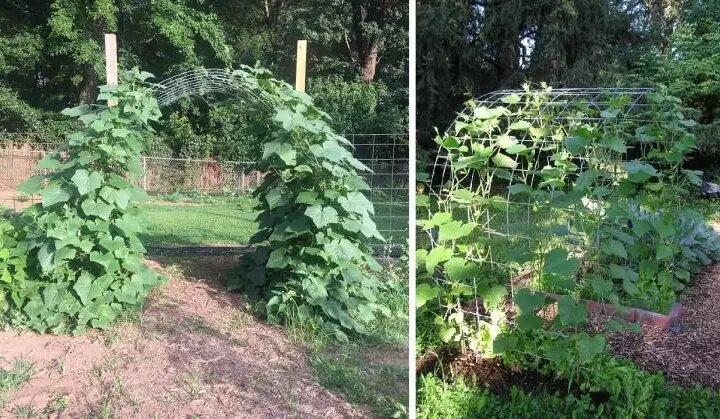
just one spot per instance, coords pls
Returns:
(313, 262)
(84, 259)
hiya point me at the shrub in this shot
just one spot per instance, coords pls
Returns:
(357, 107)
(313, 262)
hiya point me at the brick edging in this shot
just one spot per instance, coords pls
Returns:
(632, 314)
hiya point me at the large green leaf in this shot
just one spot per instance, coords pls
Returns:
(356, 202)
(322, 216)
(282, 149)
(87, 181)
(557, 262)
(54, 194)
(97, 208)
(424, 293)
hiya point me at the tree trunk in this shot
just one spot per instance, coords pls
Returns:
(370, 64)
(89, 89)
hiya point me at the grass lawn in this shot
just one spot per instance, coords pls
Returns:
(196, 222)
(201, 220)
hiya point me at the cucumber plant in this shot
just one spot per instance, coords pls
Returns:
(313, 263)
(84, 259)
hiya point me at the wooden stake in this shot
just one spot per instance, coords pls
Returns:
(300, 67)
(111, 67)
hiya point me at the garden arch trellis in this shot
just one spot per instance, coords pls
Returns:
(541, 187)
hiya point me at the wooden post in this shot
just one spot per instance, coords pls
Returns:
(300, 67)
(111, 67)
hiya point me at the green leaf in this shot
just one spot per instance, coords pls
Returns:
(32, 185)
(516, 149)
(493, 296)
(520, 126)
(54, 194)
(284, 150)
(46, 258)
(571, 313)
(630, 287)
(356, 202)
(275, 198)
(454, 230)
(503, 344)
(322, 216)
(589, 347)
(458, 269)
(82, 287)
(87, 182)
(601, 286)
(615, 247)
(437, 254)
(639, 172)
(96, 208)
(557, 262)
(528, 321)
(424, 293)
(307, 197)
(663, 251)
(620, 272)
(527, 301)
(614, 143)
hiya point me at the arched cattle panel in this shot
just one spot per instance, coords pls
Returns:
(203, 81)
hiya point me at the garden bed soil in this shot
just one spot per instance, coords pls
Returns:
(194, 351)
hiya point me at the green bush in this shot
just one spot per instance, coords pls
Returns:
(313, 262)
(439, 400)
(357, 107)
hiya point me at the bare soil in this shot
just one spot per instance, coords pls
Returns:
(194, 351)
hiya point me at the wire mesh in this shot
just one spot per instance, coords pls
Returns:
(385, 154)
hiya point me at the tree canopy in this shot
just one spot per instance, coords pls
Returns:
(51, 53)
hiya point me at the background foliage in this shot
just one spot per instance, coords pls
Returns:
(51, 57)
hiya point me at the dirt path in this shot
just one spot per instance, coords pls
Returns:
(689, 353)
(194, 352)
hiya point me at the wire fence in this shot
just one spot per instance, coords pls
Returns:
(385, 154)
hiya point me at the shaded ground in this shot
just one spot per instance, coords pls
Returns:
(689, 353)
(194, 351)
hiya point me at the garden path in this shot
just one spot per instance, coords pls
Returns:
(194, 350)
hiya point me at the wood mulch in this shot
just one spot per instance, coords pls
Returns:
(688, 353)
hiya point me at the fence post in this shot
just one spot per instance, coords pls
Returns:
(144, 179)
(300, 66)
